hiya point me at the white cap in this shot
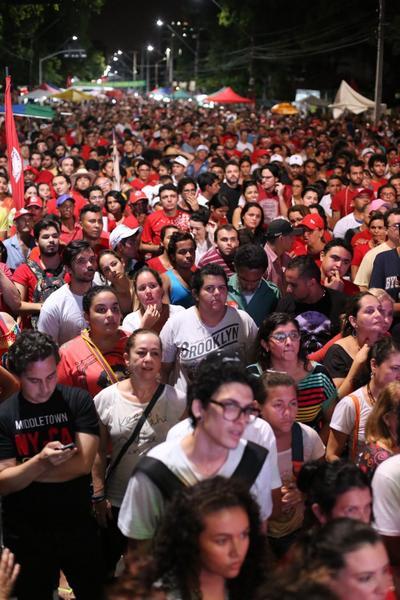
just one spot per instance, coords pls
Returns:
(121, 232)
(276, 158)
(367, 151)
(181, 160)
(202, 147)
(295, 159)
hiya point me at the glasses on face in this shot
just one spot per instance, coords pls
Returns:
(394, 226)
(283, 336)
(231, 411)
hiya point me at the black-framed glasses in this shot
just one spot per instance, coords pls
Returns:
(231, 411)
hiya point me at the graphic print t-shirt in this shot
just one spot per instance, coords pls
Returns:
(25, 429)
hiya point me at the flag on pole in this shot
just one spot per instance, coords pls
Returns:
(15, 168)
(115, 158)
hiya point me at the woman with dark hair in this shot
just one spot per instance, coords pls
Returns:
(153, 311)
(116, 208)
(279, 348)
(349, 418)
(363, 326)
(94, 359)
(112, 270)
(219, 208)
(381, 430)
(252, 230)
(250, 193)
(209, 543)
(178, 280)
(120, 407)
(334, 490)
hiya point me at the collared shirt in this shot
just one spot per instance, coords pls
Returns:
(15, 256)
(276, 267)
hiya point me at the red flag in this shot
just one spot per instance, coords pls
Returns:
(15, 165)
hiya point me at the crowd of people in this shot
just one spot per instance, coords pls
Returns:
(200, 351)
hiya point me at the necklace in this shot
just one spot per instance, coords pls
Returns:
(371, 397)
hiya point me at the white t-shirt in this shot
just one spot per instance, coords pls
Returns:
(344, 224)
(386, 497)
(344, 416)
(260, 432)
(120, 417)
(132, 321)
(143, 503)
(365, 271)
(326, 203)
(61, 315)
(186, 340)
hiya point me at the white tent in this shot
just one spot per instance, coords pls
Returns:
(348, 99)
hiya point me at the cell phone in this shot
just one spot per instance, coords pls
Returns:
(70, 446)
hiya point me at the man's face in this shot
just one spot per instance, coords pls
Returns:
(83, 267)
(144, 172)
(59, 150)
(396, 183)
(96, 197)
(67, 166)
(92, 225)
(47, 162)
(249, 279)
(295, 170)
(129, 248)
(60, 185)
(356, 175)
(232, 175)
(310, 169)
(388, 195)
(24, 224)
(227, 242)
(36, 160)
(49, 241)
(82, 183)
(393, 229)
(39, 380)
(66, 209)
(268, 180)
(128, 147)
(378, 169)
(178, 170)
(169, 200)
(105, 184)
(185, 254)
(214, 188)
(219, 430)
(219, 172)
(297, 286)
(312, 237)
(361, 202)
(336, 260)
(334, 186)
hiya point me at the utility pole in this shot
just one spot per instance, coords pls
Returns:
(379, 61)
(134, 65)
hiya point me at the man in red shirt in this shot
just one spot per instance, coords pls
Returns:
(168, 215)
(62, 185)
(377, 167)
(91, 221)
(342, 202)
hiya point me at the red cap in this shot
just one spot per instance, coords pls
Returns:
(32, 170)
(34, 201)
(136, 196)
(395, 161)
(22, 212)
(312, 222)
(365, 192)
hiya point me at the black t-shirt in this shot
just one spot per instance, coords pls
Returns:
(232, 195)
(319, 321)
(386, 273)
(25, 428)
(337, 361)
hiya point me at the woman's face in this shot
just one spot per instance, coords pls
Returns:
(283, 343)
(387, 371)
(245, 169)
(148, 290)
(252, 218)
(280, 408)
(378, 230)
(144, 358)
(369, 316)
(251, 193)
(356, 503)
(30, 191)
(366, 574)
(104, 313)
(44, 191)
(224, 542)
(297, 188)
(111, 267)
(113, 206)
(219, 214)
(310, 198)
(295, 218)
(387, 314)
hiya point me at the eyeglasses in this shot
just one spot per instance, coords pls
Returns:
(394, 226)
(232, 411)
(282, 337)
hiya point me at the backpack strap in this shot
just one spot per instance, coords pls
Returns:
(357, 408)
(297, 448)
(250, 464)
(162, 477)
(36, 270)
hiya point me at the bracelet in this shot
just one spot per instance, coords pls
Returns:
(97, 499)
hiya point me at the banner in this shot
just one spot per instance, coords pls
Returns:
(15, 165)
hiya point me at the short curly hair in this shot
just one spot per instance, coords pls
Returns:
(31, 346)
(177, 551)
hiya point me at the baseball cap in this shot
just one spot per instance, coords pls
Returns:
(136, 196)
(32, 170)
(312, 222)
(395, 161)
(377, 204)
(202, 147)
(22, 212)
(365, 192)
(295, 159)
(279, 227)
(34, 201)
(121, 232)
(181, 160)
(64, 198)
(276, 158)
(367, 151)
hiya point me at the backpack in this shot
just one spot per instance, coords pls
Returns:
(168, 483)
(46, 284)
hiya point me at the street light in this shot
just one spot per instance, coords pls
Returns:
(195, 51)
(74, 38)
(149, 49)
(67, 52)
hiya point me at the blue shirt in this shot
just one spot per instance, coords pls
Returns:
(15, 256)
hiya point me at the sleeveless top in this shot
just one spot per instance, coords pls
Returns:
(179, 294)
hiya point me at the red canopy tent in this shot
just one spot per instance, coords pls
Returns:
(226, 95)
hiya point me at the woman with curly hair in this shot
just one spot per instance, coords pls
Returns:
(209, 544)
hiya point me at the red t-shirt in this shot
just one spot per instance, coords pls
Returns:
(80, 202)
(156, 264)
(360, 238)
(6, 271)
(343, 201)
(129, 221)
(157, 220)
(377, 184)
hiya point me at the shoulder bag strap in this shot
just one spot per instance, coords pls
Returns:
(162, 477)
(136, 431)
(99, 356)
(357, 409)
(250, 464)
